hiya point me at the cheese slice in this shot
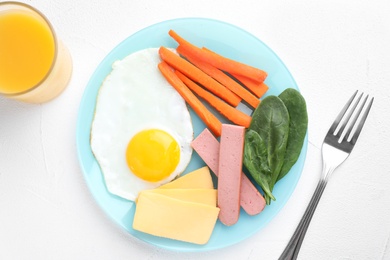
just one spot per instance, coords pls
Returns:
(198, 179)
(167, 217)
(203, 196)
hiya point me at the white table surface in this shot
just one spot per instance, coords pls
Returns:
(331, 48)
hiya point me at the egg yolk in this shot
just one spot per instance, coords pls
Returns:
(152, 155)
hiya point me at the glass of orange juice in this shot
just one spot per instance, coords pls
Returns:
(35, 66)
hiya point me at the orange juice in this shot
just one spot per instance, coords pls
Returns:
(26, 51)
(34, 66)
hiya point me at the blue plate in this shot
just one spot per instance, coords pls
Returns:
(227, 40)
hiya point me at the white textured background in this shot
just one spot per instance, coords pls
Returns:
(331, 47)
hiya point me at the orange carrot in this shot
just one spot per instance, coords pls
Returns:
(221, 77)
(205, 115)
(231, 113)
(256, 88)
(199, 76)
(219, 61)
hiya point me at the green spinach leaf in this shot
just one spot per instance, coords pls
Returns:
(255, 160)
(296, 106)
(271, 121)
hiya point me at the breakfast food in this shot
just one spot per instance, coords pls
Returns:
(204, 196)
(168, 217)
(220, 76)
(234, 115)
(230, 171)
(197, 75)
(204, 72)
(220, 62)
(184, 208)
(200, 109)
(274, 140)
(180, 210)
(142, 130)
(198, 179)
(207, 147)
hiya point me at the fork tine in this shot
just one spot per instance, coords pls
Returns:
(355, 118)
(348, 117)
(361, 123)
(341, 114)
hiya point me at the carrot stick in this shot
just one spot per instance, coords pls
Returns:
(199, 76)
(231, 113)
(220, 77)
(219, 61)
(205, 115)
(256, 88)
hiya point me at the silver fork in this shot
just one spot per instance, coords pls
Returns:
(337, 145)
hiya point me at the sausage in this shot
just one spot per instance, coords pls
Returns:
(207, 147)
(229, 173)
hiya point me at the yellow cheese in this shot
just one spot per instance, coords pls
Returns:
(203, 196)
(167, 217)
(198, 179)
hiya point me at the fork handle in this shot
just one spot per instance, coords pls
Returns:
(292, 249)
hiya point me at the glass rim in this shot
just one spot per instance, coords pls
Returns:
(46, 20)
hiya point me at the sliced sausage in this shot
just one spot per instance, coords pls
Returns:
(207, 147)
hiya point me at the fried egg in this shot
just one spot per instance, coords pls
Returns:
(142, 131)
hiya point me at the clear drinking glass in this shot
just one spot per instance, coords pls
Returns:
(35, 66)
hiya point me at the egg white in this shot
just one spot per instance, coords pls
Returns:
(135, 97)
